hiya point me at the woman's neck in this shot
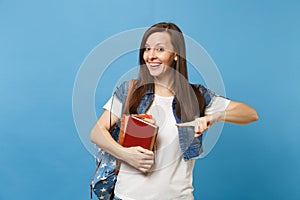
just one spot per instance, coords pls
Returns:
(163, 86)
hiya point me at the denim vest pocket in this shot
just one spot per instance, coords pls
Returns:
(189, 144)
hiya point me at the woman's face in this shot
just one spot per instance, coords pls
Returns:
(159, 53)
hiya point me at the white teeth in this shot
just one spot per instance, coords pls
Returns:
(154, 65)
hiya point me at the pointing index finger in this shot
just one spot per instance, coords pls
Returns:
(185, 124)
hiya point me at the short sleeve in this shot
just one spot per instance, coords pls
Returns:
(217, 104)
(213, 102)
(114, 105)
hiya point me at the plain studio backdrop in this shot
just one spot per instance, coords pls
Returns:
(255, 45)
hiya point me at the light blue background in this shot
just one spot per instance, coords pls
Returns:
(255, 45)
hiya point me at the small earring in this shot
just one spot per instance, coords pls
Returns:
(175, 58)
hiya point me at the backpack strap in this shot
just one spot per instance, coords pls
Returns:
(129, 93)
(91, 183)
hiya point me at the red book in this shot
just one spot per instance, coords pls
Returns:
(135, 131)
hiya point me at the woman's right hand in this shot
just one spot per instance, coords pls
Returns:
(139, 157)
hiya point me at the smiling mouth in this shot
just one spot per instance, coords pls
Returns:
(154, 65)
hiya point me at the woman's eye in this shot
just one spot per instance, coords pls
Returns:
(147, 48)
(160, 49)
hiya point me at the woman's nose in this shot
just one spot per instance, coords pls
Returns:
(152, 54)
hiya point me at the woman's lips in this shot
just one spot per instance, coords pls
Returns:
(154, 65)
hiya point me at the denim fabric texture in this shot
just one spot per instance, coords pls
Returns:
(116, 198)
(190, 146)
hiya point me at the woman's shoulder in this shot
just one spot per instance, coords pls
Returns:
(200, 87)
(124, 86)
(207, 94)
(122, 89)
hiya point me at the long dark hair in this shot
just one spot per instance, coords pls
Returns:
(189, 101)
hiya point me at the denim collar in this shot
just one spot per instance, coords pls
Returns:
(150, 90)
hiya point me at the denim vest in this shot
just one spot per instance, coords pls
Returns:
(191, 147)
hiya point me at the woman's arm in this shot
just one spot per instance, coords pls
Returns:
(138, 157)
(101, 136)
(235, 113)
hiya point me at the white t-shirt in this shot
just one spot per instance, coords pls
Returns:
(171, 176)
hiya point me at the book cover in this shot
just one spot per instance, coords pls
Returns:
(136, 131)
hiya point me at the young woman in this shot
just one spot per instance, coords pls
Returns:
(181, 110)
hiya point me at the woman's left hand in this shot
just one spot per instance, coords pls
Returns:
(201, 124)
